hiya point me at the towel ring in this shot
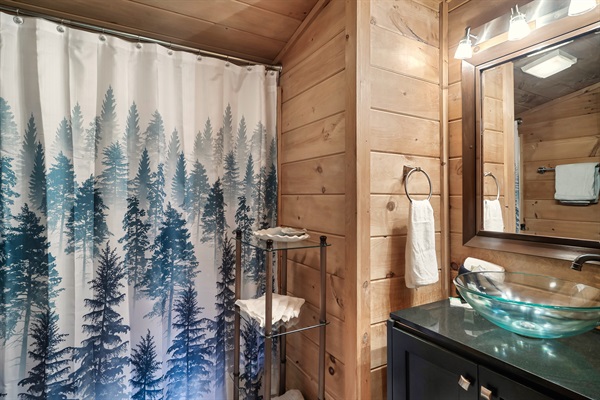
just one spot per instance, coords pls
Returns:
(497, 185)
(407, 175)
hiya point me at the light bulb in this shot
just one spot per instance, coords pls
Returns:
(518, 28)
(464, 50)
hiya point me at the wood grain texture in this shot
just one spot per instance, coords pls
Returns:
(387, 255)
(397, 133)
(378, 345)
(320, 138)
(308, 211)
(454, 101)
(321, 101)
(379, 383)
(389, 214)
(387, 174)
(299, 379)
(320, 175)
(401, 94)
(336, 264)
(417, 22)
(403, 55)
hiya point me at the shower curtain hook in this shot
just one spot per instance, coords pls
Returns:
(17, 18)
(61, 27)
(199, 58)
(227, 61)
(170, 51)
(102, 37)
(138, 45)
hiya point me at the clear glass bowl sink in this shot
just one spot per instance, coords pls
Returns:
(531, 305)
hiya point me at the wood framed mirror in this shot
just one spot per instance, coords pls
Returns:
(561, 245)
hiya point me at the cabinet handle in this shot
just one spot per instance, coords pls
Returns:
(464, 383)
(485, 393)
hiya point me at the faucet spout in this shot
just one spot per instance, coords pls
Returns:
(582, 259)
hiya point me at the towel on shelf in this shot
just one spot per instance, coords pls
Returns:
(577, 182)
(421, 266)
(492, 216)
(283, 308)
(292, 394)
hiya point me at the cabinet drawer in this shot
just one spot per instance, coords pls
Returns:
(424, 371)
(504, 388)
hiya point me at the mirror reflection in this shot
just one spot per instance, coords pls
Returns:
(541, 142)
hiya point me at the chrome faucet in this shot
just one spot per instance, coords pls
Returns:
(582, 259)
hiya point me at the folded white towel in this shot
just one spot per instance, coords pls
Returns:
(577, 182)
(473, 264)
(420, 259)
(284, 308)
(492, 216)
(292, 394)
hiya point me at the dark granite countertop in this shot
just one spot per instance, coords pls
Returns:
(567, 364)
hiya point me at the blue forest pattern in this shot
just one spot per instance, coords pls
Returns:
(142, 231)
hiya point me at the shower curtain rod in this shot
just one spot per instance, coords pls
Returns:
(132, 36)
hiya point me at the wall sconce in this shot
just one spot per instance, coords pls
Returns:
(578, 7)
(464, 49)
(518, 27)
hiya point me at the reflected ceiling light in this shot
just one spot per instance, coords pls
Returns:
(550, 64)
(518, 27)
(578, 7)
(465, 49)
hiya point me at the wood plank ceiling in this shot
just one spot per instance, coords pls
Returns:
(256, 30)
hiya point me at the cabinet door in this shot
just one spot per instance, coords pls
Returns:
(419, 370)
(503, 388)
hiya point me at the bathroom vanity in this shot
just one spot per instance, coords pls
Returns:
(440, 351)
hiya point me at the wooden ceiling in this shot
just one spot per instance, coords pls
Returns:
(256, 30)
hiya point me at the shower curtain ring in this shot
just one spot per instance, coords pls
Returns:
(61, 27)
(102, 37)
(227, 61)
(170, 51)
(17, 18)
(199, 58)
(139, 44)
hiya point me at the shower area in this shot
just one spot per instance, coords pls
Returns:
(125, 166)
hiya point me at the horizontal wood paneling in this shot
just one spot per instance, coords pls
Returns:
(387, 255)
(397, 133)
(317, 139)
(298, 378)
(392, 294)
(578, 230)
(403, 55)
(307, 211)
(387, 174)
(336, 256)
(326, 26)
(378, 345)
(422, 26)
(304, 354)
(389, 214)
(379, 383)
(455, 176)
(454, 102)
(402, 94)
(321, 175)
(320, 101)
(455, 138)
(324, 63)
(335, 331)
(303, 282)
(553, 210)
(563, 128)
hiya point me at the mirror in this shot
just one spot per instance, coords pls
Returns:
(532, 123)
(559, 124)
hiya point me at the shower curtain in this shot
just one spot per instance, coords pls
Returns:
(124, 168)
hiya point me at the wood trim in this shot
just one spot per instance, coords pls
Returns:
(542, 246)
(358, 103)
(444, 141)
(303, 26)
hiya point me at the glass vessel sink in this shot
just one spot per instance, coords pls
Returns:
(532, 305)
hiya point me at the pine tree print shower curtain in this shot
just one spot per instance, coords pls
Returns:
(124, 168)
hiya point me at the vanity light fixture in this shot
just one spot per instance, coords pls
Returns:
(549, 64)
(464, 49)
(518, 27)
(578, 7)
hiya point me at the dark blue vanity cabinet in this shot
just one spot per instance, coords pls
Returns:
(437, 351)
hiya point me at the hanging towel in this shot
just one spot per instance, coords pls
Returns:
(577, 182)
(284, 308)
(492, 216)
(421, 266)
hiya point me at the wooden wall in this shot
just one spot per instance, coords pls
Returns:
(313, 191)
(474, 13)
(562, 131)
(404, 131)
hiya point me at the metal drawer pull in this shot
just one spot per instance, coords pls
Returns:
(464, 383)
(485, 393)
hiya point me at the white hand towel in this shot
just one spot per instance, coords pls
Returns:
(283, 308)
(578, 182)
(421, 266)
(492, 216)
